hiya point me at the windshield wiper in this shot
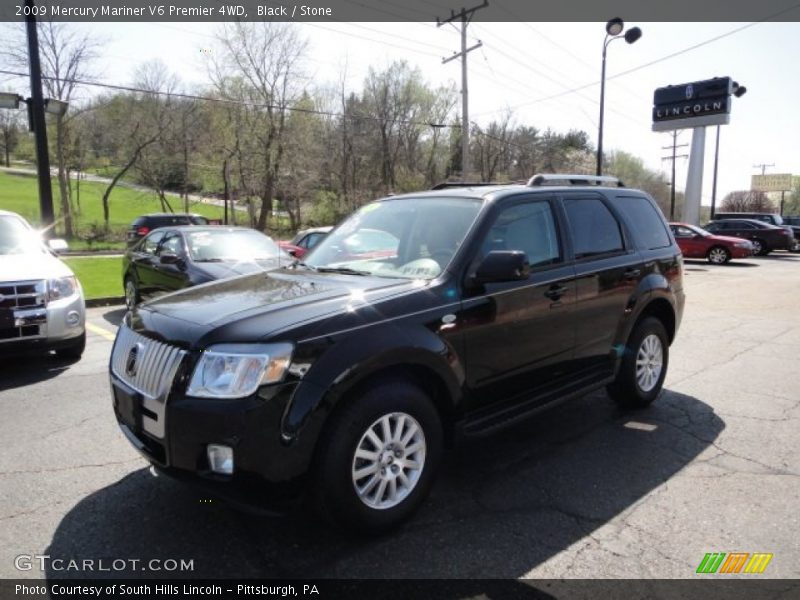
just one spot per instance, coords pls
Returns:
(205, 260)
(342, 270)
(300, 263)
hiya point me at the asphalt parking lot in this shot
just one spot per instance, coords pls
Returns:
(582, 491)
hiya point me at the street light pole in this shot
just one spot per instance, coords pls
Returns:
(39, 124)
(613, 32)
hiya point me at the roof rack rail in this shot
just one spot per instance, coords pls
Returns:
(453, 184)
(573, 179)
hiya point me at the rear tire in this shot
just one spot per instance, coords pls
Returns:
(644, 365)
(718, 255)
(760, 247)
(377, 458)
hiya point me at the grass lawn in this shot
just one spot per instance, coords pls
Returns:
(20, 194)
(101, 277)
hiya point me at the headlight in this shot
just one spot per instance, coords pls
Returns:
(237, 370)
(63, 287)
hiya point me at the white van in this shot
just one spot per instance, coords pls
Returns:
(41, 300)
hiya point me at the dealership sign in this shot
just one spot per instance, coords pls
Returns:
(774, 182)
(695, 104)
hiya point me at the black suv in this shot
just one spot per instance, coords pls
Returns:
(346, 375)
(143, 225)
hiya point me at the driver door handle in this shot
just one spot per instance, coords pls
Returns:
(556, 291)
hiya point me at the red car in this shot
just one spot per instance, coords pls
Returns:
(304, 241)
(695, 242)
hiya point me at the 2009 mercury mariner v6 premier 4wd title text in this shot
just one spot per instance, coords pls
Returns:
(420, 319)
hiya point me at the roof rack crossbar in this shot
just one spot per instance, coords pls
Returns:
(573, 179)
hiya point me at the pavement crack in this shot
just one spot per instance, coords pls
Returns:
(71, 468)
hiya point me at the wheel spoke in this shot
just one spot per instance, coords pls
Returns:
(381, 491)
(365, 454)
(386, 428)
(393, 489)
(413, 448)
(373, 437)
(398, 430)
(364, 471)
(412, 430)
(370, 485)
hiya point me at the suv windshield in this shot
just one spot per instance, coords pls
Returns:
(409, 238)
(17, 238)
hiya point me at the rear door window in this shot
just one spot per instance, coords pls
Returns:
(645, 221)
(595, 231)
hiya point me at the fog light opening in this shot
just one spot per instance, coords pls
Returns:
(73, 318)
(220, 459)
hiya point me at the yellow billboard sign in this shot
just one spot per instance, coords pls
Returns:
(774, 182)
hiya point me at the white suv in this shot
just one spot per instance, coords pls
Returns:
(41, 301)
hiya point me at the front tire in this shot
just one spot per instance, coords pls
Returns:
(644, 366)
(378, 458)
(132, 297)
(718, 255)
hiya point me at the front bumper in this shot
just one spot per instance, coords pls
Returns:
(268, 472)
(51, 327)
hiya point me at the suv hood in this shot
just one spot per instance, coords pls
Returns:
(26, 267)
(251, 307)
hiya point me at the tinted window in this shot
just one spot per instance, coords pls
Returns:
(594, 228)
(151, 242)
(645, 220)
(172, 244)
(527, 227)
(742, 225)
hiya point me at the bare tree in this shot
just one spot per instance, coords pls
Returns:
(67, 56)
(10, 127)
(259, 64)
(747, 201)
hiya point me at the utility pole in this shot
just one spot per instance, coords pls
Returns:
(39, 124)
(763, 167)
(465, 16)
(672, 158)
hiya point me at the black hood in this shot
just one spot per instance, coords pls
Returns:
(251, 307)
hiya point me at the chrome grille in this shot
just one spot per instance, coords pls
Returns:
(149, 367)
(155, 364)
(26, 301)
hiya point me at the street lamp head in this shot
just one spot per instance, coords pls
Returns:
(55, 107)
(615, 26)
(10, 100)
(739, 90)
(633, 34)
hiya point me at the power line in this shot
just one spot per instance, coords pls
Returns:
(185, 96)
(648, 64)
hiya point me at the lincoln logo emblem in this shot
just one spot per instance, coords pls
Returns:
(689, 91)
(130, 363)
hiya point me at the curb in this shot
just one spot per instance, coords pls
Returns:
(109, 301)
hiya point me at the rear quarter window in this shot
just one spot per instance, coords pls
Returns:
(644, 220)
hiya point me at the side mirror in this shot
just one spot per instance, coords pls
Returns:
(292, 253)
(503, 265)
(58, 246)
(168, 258)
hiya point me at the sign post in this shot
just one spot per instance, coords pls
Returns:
(773, 182)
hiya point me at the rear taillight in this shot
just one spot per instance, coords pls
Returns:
(143, 231)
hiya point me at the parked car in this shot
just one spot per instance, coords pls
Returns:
(345, 377)
(792, 220)
(695, 242)
(304, 241)
(143, 225)
(41, 301)
(173, 258)
(765, 237)
(771, 218)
